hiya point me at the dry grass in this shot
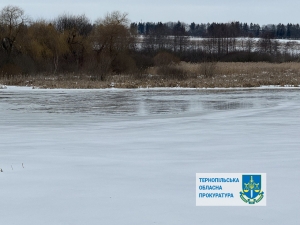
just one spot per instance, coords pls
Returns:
(225, 75)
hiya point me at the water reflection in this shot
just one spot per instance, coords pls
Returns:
(166, 106)
(139, 102)
(223, 105)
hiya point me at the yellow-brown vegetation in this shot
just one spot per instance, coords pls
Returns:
(225, 75)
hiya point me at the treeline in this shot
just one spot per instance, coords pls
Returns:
(111, 45)
(209, 30)
(67, 44)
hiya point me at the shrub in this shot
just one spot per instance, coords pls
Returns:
(208, 69)
(10, 69)
(172, 72)
(123, 63)
(165, 59)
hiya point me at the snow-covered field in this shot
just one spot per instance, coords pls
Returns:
(131, 156)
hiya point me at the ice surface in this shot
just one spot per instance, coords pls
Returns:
(131, 156)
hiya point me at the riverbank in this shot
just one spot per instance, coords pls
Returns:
(187, 75)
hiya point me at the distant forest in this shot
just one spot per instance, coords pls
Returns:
(210, 30)
(113, 45)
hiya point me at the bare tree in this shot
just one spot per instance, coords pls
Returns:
(45, 44)
(180, 38)
(112, 39)
(250, 42)
(267, 43)
(75, 29)
(12, 21)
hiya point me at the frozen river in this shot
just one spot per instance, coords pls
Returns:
(130, 156)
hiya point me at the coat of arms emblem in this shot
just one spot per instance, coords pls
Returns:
(251, 189)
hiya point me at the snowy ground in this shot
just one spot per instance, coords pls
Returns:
(130, 156)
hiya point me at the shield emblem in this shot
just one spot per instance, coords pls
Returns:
(251, 189)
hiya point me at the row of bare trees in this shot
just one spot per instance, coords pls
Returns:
(67, 44)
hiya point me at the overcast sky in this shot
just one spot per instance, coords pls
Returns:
(199, 11)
